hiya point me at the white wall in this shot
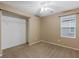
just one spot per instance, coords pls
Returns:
(13, 31)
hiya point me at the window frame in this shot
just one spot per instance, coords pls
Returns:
(75, 32)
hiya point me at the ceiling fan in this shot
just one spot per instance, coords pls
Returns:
(44, 9)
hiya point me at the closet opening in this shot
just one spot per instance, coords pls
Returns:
(14, 30)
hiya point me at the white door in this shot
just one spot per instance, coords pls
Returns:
(13, 31)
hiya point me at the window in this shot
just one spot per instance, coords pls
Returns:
(68, 26)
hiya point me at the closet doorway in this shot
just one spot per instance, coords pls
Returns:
(13, 30)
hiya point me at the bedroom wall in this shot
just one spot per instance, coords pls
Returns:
(34, 30)
(50, 29)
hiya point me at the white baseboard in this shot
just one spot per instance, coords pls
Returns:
(60, 45)
(34, 43)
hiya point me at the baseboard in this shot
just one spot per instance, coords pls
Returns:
(34, 43)
(60, 45)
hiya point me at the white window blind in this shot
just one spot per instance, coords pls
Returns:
(68, 26)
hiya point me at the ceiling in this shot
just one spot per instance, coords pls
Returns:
(43, 8)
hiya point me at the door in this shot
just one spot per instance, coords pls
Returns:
(13, 31)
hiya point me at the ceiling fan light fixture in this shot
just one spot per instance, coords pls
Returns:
(45, 9)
